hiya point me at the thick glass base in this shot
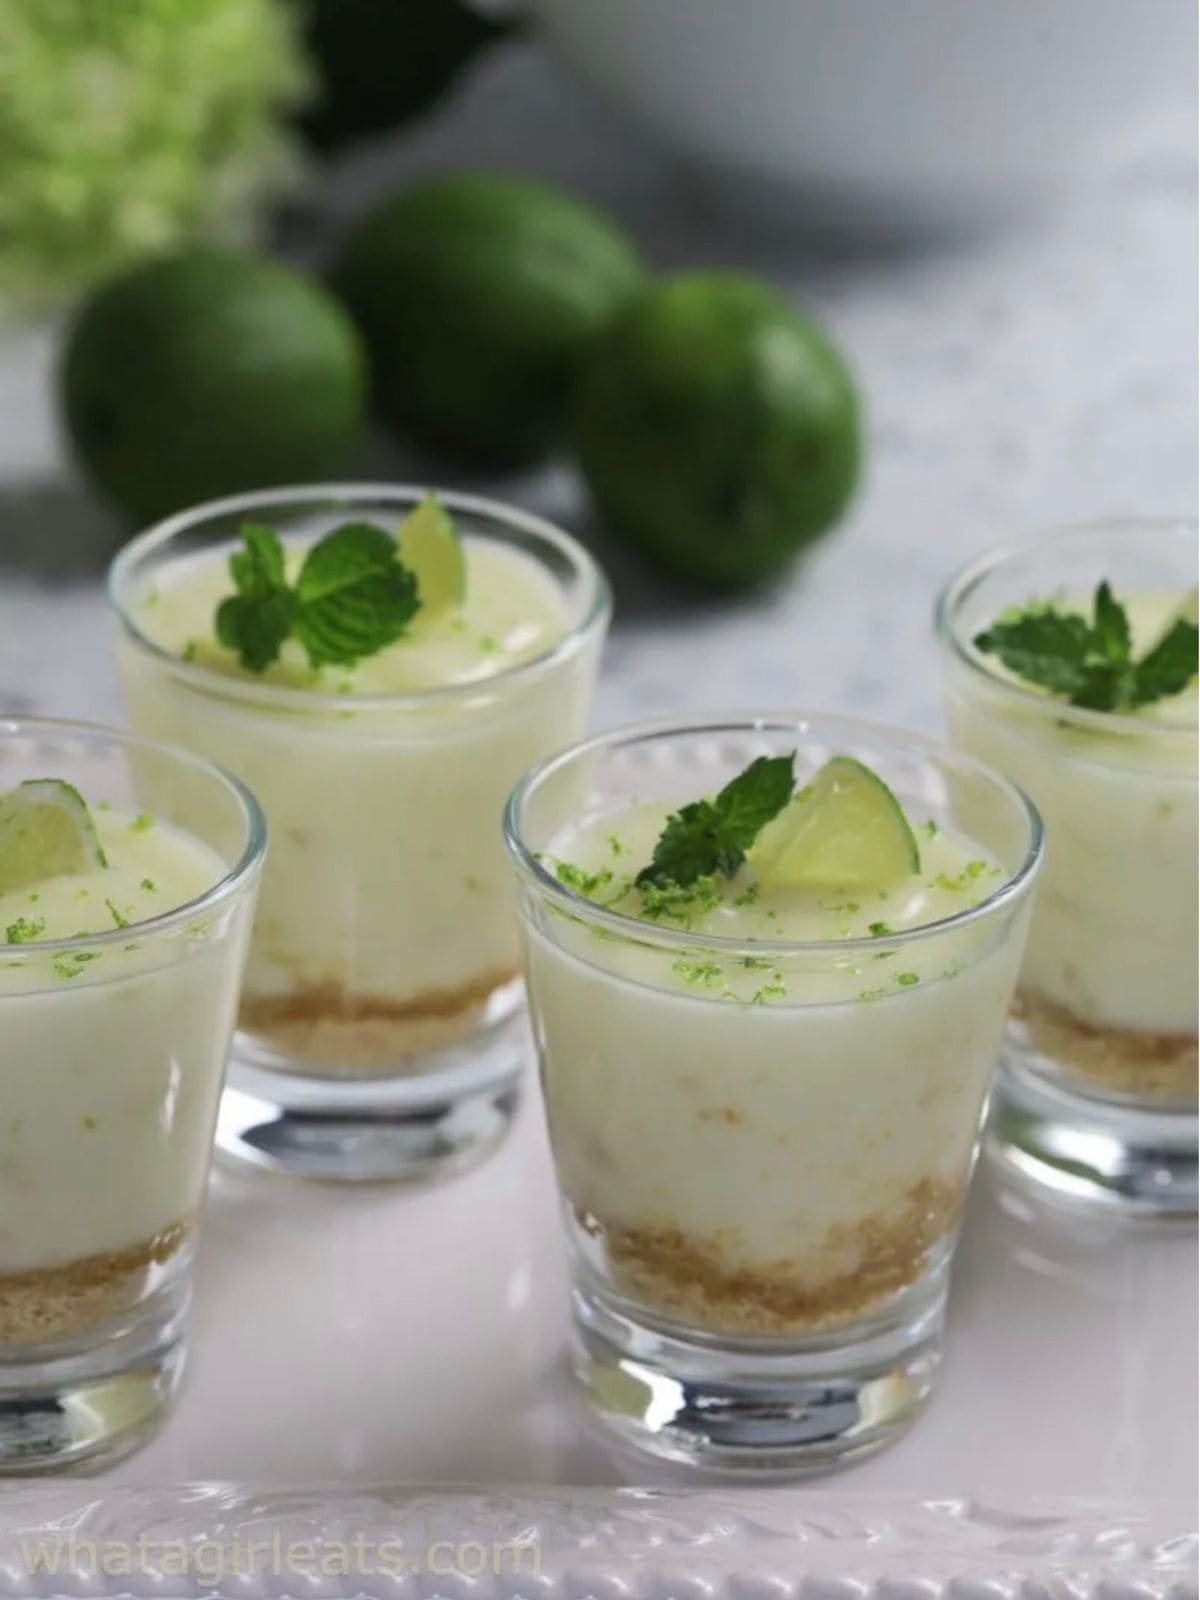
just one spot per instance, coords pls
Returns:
(1080, 1149)
(438, 1115)
(80, 1405)
(760, 1408)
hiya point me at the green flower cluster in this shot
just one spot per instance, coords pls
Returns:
(128, 125)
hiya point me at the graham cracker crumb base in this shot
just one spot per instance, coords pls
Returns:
(60, 1302)
(352, 1034)
(1154, 1066)
(693, 1280)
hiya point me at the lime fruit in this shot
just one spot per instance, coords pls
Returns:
(477, 294)
(46, 831)
(844, 829)
(431, 549)
(717, 428)
(206, 372)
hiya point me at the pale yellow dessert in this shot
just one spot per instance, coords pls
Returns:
(111, 1056)
(512, 611)
(1108, 990)
(770, 1132)
(386, 923)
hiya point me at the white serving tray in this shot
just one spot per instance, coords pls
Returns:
(413, 1336)
(616, 1544)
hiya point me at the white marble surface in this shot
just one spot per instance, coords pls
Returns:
(1045, 375)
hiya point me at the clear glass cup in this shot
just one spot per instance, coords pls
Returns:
(1097, 1099)
(761, 1200)
(381, 1030)
(112, 1055)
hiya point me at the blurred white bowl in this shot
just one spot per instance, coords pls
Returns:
(891, 110)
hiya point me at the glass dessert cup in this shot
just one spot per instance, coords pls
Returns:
(761, 1199)
(1096, 1101)
(381, 1032)
(112, 1055)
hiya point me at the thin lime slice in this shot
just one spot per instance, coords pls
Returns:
(845, 829)
(430, 548)
(46, 831)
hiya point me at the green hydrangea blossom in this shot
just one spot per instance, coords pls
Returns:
(128, 125)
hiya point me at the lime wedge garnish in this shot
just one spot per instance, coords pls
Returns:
(430, 548)
(46, 831)
(844, 829)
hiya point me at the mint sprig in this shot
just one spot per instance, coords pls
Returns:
(711, 836)
(258, 618)
(1171, 665)
(1089, 662)
(353, 596)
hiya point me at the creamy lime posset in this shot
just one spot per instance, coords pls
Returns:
(951, 876)
(139, 868)
(512, 612)
(764, 1086)
(111, 1051)
(380, 689)
(1108, 753)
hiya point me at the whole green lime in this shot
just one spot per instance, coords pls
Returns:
(477, 293)
(717, 427)
(206, 372)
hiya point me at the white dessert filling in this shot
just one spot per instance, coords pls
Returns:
(805, 1118)
(1113, 940)
(112, 1054)
(386, 910)
(513, 611)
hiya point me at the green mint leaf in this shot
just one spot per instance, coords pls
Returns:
(1107, 680)
(688, 848)
(1169, 667)
(255, 628)
(354, 595)
(256, 620)
(1043, 646)
(711, 836)
(1090, 663)
(1110, 629)
(257, 570)
(749, 801)
(1104, 686)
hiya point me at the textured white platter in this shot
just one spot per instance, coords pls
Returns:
(414, 1337)
(631, 1544)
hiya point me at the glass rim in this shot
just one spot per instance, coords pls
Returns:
(597, 610)
(967, 578)
(634, 929)
(228, 886)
